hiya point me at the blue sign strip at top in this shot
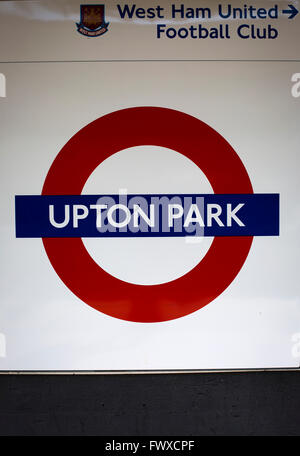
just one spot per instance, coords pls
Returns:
(154, 215)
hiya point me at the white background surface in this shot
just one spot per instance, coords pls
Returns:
(251, 325)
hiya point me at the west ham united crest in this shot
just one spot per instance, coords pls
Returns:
(92, 20)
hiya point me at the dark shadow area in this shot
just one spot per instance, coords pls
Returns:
(255, 403)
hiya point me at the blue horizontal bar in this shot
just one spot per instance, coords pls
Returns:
(259, 213)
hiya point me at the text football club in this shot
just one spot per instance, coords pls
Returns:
(231, 215)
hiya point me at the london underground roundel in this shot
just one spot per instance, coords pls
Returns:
(147, 126)
(231, 215)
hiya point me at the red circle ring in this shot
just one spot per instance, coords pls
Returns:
(158, 127)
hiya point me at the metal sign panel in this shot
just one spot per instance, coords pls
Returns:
(149, 186)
